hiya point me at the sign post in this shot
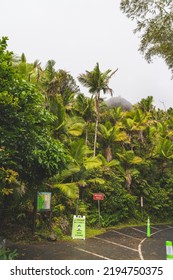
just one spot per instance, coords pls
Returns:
(98, 197)
(142, 207)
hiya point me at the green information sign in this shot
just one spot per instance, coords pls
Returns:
(44, 201)
(78, 229)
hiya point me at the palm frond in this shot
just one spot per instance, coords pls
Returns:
(69, 189)
(96, 180)
(92, 162)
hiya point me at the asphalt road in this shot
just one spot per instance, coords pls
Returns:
(122, 244)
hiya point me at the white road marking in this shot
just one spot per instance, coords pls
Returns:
(130, 236)
(140, 250)
(91, 253)
(155, 228)
(138, 230)
(161, 230)
(120, 245)
(123, 246)
(140, 244)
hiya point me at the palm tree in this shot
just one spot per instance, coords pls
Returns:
(28, 71)
(146, 104)
(67, 87)
(84, 107)
(80, 173)
(109, 135)
(128, 167)
(36, 71)
(97, 82)
(59, 88)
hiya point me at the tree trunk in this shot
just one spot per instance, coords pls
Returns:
(108, 153)
(128, 180)
(34, 213)
(95, 136)
(97, 120)
(86, 136)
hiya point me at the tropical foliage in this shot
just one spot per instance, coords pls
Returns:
(48, 131)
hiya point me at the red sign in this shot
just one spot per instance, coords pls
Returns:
(98, 196)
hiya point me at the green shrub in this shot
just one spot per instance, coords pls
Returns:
(7, 254)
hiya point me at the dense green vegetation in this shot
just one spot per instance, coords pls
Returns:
(54, 138)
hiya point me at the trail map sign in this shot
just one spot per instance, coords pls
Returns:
(44, 201)
(78, 228)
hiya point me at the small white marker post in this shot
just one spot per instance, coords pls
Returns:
(169, 250)
(142, 207)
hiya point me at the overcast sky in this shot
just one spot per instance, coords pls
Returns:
(79, 33)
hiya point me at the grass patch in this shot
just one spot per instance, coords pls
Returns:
(90, 232)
